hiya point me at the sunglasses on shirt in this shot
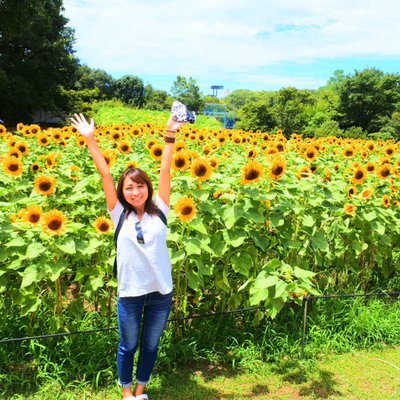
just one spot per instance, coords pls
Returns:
(139, 232)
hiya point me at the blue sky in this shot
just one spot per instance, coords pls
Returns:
(240, 44)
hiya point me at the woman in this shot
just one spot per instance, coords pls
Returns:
(143, 264)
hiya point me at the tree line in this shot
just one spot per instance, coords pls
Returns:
(39, 71)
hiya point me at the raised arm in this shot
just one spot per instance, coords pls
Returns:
(164, 179)
(86, 129)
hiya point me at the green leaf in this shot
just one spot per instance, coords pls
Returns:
(17, 242)
(96, 282)
(194, 280)
(34, 250)
(56, 270)
(29, 276)
(231, 215)
(193, 246)
(241, 263)
(319, 242)
(177, 256)
(67, 247)
(302, 273)
(309, 221)
(235, 237)
(261, 241)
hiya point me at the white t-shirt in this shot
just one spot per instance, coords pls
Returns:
(142, 268)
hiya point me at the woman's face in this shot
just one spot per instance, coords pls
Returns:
(135, 193)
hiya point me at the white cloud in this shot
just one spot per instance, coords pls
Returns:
(230, 38)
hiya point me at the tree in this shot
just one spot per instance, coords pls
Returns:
(130, 90)
(256, 115)
(293, 109)
(187, 92)
(240, 97)
(36, 57)
(89, 78)
(366, 97)
(157, 99)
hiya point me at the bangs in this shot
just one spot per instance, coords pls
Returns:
(135, 176)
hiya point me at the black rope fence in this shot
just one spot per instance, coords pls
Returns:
(306, 300)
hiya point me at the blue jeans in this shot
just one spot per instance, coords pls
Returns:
(153, 309)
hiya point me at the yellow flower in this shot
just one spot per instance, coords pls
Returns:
(32, 214)
(43, 139)
(131, 164)
(367, 193)
(12, 166)
(124, 147)
(359, 175)
(277, 168)
(180, 161)
(35, 167)
(201, 169)
(311, 153)
(22, 146)
(54, 222)
(109, 157)
(384, 171)
(103, 225)
(156, 151)
(352, 192)
(349, 209)
(252, 172)
(304, 172)
(185, 208)
(45, 184)
(150, 143)
(385, 200)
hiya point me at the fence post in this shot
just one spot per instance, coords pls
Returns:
(303, 337)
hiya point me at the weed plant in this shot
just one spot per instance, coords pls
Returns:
(228, 341)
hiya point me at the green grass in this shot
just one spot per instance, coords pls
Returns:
(352, 352)
(358, 375)
(114, 112)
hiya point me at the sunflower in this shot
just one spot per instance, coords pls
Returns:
(359, 175)
(180, 161)
(156, 151)
(32, 214)
(236, 139)
(124, 147)
(14, 152)
(34, 167)
(370, 145)
(57, 135)
(385, 200)
(80, 141)
(311, 153)
(22, 146)
(201, 169)
(352, 192)
(349, 151)
(150, 143)
(185, 208)
(109, 157)
(12, 166)
(3, 130)
(131, 164)
(349, 209)
(207, 150)
(327, 174)
(54, 222)
(252, 172)
(179, 146)
(390, 149)
(20, 127)
(103, 225)
(252, 153)
(367, 193)
(74, 171)
(384, 171)
(277, 167)
(304, 172)
(213, 162)
(43, 139)
(370, 166)
(34, 129)
(45, 184)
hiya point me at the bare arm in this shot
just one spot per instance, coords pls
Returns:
(164, 179)
(86, 129)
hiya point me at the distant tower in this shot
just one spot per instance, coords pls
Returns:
(215, 89)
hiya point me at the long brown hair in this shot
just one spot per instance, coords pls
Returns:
(139, 176)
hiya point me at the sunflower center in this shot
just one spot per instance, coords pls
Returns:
(252, 174)
(385, 172)
(104, 227)
(34, 218)
(201, 170)
(157, 152)
(277, 170)
(359, 175)
(187, 210)
(13, 167)
(179, 162)
(54, 224)
(45, 186)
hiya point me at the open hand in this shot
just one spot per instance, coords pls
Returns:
(173, 125)
(84, 127)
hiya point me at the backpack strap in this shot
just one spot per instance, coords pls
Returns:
(121, 220)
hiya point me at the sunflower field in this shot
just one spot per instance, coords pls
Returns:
(256, 218)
